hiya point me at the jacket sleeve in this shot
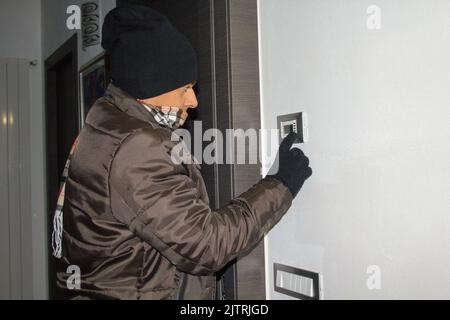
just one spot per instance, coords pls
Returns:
(160, 203)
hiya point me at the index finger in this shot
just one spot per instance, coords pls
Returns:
(287, 142)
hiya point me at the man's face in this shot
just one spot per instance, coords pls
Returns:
(183, 98)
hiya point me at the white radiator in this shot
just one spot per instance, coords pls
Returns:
(15, 212)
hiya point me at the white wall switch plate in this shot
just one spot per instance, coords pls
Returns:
(294, 122)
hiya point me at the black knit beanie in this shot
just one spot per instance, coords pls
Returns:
(148, 56)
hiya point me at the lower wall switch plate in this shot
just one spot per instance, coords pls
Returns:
(297, 283)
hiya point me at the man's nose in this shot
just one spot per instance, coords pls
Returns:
(191, 100)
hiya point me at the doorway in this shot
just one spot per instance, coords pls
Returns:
(62, 127)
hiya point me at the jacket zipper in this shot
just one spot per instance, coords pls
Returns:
(177, 295)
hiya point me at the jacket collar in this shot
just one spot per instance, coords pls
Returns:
(128, 104)
(132, 107)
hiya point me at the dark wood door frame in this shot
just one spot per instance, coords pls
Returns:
(69, 50)
(237, 88)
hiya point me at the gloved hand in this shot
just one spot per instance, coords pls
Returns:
(293, 165)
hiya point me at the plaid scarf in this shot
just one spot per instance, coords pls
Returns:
(168, 116)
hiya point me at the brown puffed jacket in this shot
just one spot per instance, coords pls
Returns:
(138, 225)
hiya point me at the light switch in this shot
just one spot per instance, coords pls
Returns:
(294, 122)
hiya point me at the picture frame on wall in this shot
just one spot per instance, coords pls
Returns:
(92, 84)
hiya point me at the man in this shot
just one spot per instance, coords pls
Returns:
(137, 224)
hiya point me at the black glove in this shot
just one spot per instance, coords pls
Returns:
(293, 165)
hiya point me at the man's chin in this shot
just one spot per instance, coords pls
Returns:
(182, 122)
(185, 116)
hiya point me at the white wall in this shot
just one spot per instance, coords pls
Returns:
(20, 36)
(378, 105)
(55, 32)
